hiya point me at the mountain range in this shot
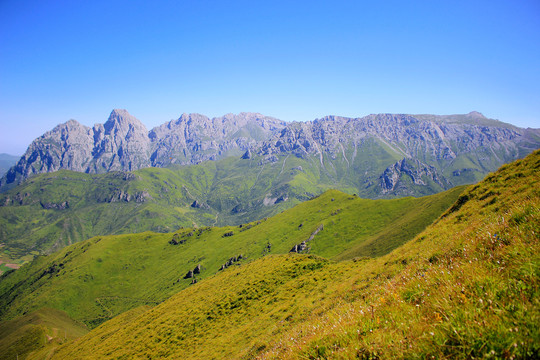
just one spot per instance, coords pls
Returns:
(380, 155)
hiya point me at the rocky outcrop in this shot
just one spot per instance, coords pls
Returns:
(303, 246)
(298, 248)
(231, 262)
(418, 173)
(178, 240)
(56, 206)
(199, 205)
(191, 273)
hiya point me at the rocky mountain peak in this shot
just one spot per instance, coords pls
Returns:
(121, 121)
(72, 123)
(476, 115)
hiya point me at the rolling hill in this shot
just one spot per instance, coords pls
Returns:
(38, 332)
(107, 275)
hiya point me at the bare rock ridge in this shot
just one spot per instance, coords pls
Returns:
(392, 151)
(124, 143)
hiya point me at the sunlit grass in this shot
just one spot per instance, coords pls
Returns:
(466, 287)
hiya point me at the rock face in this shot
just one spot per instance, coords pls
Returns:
(121, 143)
(194, 138)
(416, 172)
(124, 143)
(388, 154)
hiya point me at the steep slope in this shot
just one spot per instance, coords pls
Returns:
(446, 150)
(97, 279)
(39, 331)
(466, 287)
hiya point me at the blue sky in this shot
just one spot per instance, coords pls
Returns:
(294, 60)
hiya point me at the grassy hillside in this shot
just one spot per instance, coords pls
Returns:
(50, 211)
(97, 279)
(53, 210)
(38, 332)
(466, 287)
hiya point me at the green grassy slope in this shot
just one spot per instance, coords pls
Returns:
(466, 287)
(53, 210)
(39, 331)
(97, 279)
(50, 211)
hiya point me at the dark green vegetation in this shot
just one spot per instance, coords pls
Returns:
(466, 287)
(50, 211)
(38, 332)
(107, 275)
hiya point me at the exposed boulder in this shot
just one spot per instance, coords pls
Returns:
(231, 262)
(199, 205)
(189, 275)
(247, 155)
(56, 206)
(299, 247)
(303, 246)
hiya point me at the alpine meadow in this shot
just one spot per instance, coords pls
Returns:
(269, 180)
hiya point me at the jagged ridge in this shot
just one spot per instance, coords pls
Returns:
(457, 149)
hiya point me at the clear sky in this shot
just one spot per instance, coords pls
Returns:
(294, 60)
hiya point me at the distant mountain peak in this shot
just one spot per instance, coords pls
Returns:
(121, 116)
(123, 120)
(476, 114)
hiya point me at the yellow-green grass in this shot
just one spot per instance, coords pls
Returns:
(37, 332)
(466, 287)
(97, 279)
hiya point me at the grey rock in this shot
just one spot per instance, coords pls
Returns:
(231, 262)
(199, 205)
(431, 146)
(247, 155)
(418, 172)
(56, 206)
